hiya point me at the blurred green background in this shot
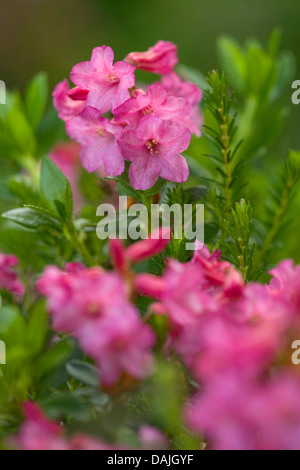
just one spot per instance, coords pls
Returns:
(53, 35)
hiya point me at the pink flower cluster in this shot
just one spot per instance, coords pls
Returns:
(8, 278)
(94, 307)
(235, 339)
(40, 433)
(150, 128)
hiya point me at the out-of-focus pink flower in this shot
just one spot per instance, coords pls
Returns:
(8, 278)
(173, 84)
(217, 274)
(66, 106)
(155, 101)
(286, 282)
(98, 138)
(38, 432)
(139, 251)
(66, 156)
(154, 149)
(108, 84)
(239, 415)
(160, 58)
(152, 438)
(92, 305)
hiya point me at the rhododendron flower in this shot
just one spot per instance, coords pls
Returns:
(286, 282)
(8, 278)
(217, 274)
(152, 438)
(40, 433)
(191, 289)
(98, 137)
(66, 156)
(137, 252)
(65, 105)
(160, 58)
(92, 305)
(237, 415)
(155, 101)
(108, 84)
(225, 340)
(154, 149)
(173, 84)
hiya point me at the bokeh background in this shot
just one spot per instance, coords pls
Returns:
(53, 35)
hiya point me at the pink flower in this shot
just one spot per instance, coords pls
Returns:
(155, 101)
(108, 84)
(177, 87)
(154, 149)
(92, 305)
(152, 438)
(239, 415)
(66, 156)
(98, 138)
(139, 251)
(66, 106)
(38, 432)
(8, 278)
(286, 282)
(122, 346)
(160, 58)
(218, 274)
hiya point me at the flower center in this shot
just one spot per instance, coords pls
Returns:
(152, 146)
(93, 308)
(148, 110)
(101, 132)
(111, 78)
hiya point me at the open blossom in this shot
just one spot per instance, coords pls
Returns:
(92, 305)
(175, 86)
(8, 278)
(108, 83)
(98, 137)
(65, 105)
(160, 58)
(155, 101)
(189, 290)
(154, 149)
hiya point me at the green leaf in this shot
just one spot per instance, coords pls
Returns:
(20, 132)
(196, 193)
(233, 61)
(31, 218)
(83, 372)
(37, 327)
(56, 188)
(56, 356)
(65, 404)
(36, 98)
